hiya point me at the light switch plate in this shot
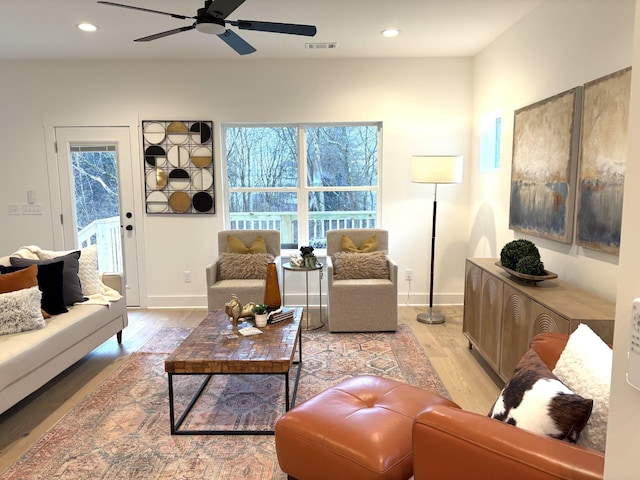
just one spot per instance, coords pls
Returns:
(32, 209)
(633, 369)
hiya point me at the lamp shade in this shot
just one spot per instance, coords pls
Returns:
(436, 169)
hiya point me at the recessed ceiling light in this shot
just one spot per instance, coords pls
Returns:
(390, 32)
(87, 27)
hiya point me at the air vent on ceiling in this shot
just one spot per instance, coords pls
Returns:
(314, 46)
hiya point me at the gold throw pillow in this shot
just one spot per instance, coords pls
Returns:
(235, 245)
(369, 245)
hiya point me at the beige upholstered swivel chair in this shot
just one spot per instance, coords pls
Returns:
(361, 304)
(220, 289)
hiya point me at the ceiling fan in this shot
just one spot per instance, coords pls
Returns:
(211, 19)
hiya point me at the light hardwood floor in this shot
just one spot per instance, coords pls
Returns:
(468, 382)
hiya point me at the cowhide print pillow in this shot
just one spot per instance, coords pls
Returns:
(536, 401)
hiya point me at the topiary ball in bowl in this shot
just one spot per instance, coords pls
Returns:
(530, 265)
(515, 250)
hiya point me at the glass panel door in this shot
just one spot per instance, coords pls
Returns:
(96, 192)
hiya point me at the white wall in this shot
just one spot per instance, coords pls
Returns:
(424, 104)
(558, 46)
(623, 434)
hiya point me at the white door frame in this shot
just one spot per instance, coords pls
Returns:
(131, 121)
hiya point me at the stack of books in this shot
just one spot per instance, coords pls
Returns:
(284, 313)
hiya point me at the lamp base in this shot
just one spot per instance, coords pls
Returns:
(431, 317)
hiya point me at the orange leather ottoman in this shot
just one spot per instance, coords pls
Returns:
(358, 429)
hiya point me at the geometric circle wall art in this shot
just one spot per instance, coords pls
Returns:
(178, 166)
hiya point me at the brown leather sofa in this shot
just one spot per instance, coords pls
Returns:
(316, 438)
(449, 443)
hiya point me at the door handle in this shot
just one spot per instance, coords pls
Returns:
(129, 227)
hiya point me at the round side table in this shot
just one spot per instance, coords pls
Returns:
(287, 267)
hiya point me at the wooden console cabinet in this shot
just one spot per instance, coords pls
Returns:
(502, 314)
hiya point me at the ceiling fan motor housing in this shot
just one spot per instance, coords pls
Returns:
(209, 24)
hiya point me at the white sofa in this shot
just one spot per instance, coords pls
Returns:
(28, 360)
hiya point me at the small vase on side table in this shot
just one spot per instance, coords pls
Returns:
(272, 288)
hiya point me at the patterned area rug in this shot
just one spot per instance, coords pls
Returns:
(121, 430)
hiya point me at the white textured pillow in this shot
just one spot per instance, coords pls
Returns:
(20, 311)
(88, 274)
(244, 266)
(585, 367)
(357, 266)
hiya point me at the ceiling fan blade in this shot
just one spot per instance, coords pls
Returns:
(174, 15)
(165, 34)
(290, 28)
(236, 42)
(222, 8)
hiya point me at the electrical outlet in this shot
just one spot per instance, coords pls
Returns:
(187, 276)
(408, 274)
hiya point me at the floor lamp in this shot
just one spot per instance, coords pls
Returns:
(435, 169)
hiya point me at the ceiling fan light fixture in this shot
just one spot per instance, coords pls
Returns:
(390, 32)
(211, 25)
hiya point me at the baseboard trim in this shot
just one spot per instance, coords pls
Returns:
(298, 300)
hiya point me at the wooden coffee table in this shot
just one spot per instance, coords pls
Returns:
(207, 351)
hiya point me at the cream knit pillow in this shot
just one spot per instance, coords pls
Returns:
(88, 274)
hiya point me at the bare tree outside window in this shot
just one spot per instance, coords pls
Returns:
(97, 202)
(340, 166)
(95, 185)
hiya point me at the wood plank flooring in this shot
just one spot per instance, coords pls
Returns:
(468, 382)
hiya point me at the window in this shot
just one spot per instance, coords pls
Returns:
(490, 136)
(97, 202)
(321, 177)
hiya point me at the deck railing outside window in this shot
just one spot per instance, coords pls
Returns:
(287, 225)
(105, 233)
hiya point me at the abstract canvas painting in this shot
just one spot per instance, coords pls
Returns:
(543, 171)
(603, 157)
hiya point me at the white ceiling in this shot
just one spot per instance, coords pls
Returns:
(46, 29)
